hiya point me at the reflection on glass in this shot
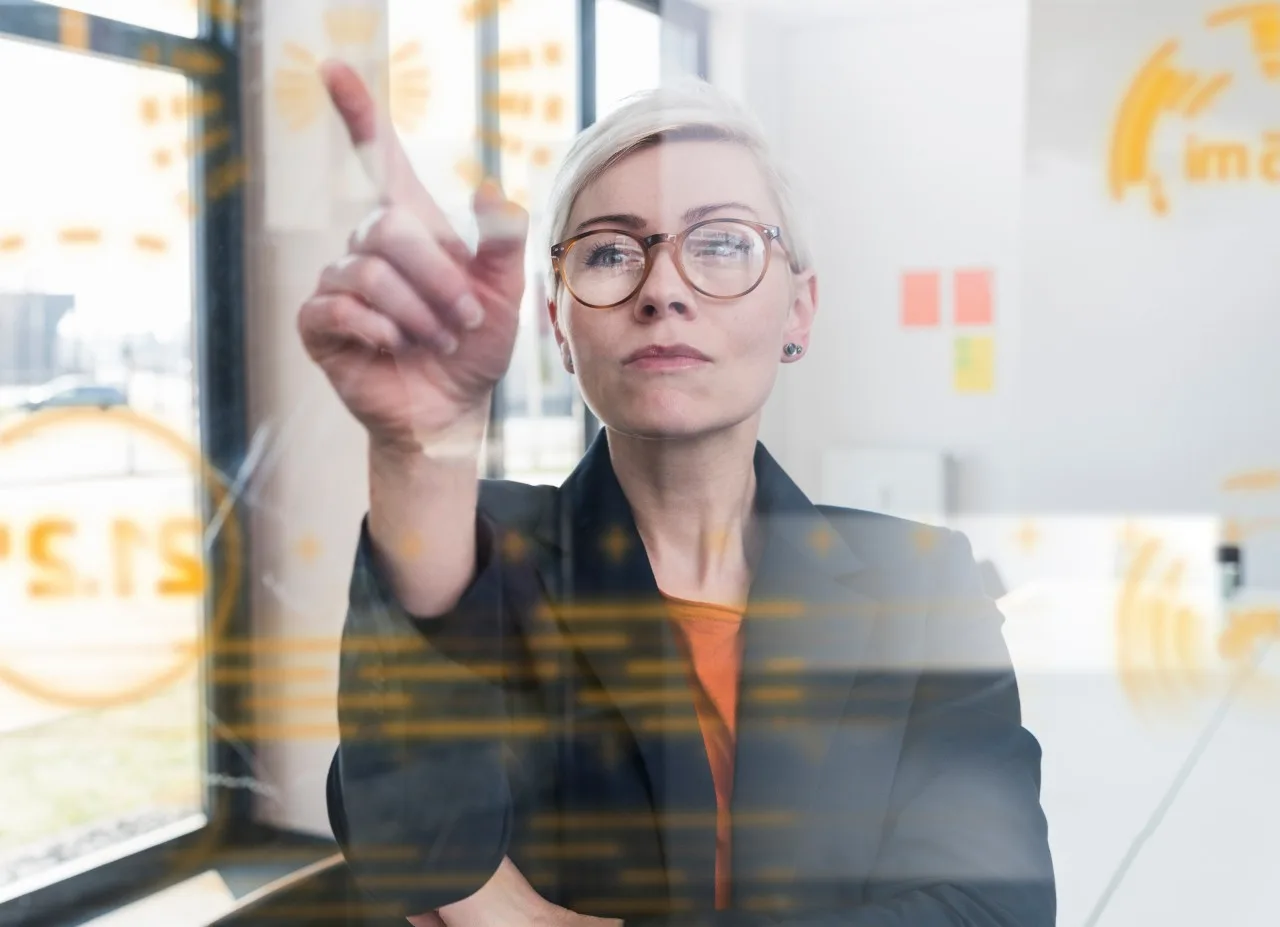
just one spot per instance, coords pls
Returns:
(101, 568)
(536, 105)
(178, 17)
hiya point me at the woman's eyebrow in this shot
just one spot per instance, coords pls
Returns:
(626, 219)
(631, 221)
(701, 212)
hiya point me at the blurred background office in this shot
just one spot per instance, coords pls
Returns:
(1048, 241)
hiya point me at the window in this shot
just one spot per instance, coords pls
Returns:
(534, 103)
(180, 17)
(628, 52)
(116, 189)
(540, 84)
(432, 83)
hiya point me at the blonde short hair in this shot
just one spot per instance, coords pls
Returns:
(688, 109)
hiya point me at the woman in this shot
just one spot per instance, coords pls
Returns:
(673, 690)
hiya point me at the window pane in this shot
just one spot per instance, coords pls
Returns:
(433, 99)
(537, 114)
(178, 17)
(628, 52)
(101, 565)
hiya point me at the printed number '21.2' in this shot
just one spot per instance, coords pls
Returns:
(177, 543)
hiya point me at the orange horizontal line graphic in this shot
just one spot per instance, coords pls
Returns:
(284, 731)
(632, 697)
(651, 877)
(239, 674)
(594, 641)
(680, 725)
(574, 851)
(476, 727)
(194, 59)
(654, 611)
(509, 59)
(299, 54)
(215, 138)
(426, 880)
(12, 242)
(80, 236)
(370, 643)
(371, 700)
(151, 243)
(636, 905)
(407, 51)
(482, 8)
(454, 672)
(1255, 480)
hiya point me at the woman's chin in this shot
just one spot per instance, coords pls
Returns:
(664, 420)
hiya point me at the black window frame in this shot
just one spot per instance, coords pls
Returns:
(211, 61)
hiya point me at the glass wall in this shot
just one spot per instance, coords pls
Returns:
(102, 573)
(120, 226)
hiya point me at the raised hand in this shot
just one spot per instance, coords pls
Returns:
(411, 327)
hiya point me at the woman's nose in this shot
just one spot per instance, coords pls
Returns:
(664, 290)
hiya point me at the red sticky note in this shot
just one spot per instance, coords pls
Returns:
(973, 297)
(921, 298)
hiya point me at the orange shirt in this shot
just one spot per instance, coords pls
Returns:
(714, 645)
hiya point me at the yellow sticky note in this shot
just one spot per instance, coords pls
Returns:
(975, 364)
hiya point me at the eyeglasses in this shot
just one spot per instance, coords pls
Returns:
(720, 258)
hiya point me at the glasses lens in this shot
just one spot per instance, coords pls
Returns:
(604, 268)
(724, 258)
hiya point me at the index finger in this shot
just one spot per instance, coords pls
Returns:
(380, 152)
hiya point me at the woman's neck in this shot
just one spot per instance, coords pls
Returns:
(693, 502)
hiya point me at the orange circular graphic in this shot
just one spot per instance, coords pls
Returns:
(1166, 652)
(230, 541)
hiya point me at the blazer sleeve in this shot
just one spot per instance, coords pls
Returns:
(420, 790)
(967, 843)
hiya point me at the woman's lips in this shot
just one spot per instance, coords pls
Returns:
(666, 357)
(666, 362)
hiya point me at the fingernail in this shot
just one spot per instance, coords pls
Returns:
(489, 188)
(470, 312)
(446, 343)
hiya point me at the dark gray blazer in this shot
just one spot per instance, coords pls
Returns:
(883, 776)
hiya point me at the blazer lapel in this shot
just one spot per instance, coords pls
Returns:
(609, 608)
(808, 622)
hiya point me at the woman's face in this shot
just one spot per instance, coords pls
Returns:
(738, 342)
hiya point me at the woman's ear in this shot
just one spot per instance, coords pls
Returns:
(804, 306)
(566, 357)
(553, 314)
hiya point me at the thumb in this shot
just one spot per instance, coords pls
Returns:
(504, 231)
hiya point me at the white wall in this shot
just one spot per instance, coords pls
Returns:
(882, 115)
(1132, 375)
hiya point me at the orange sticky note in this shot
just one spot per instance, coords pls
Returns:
(975, 364)
(921, 298)
(973, 297)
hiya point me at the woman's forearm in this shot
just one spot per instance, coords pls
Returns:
(422, 517)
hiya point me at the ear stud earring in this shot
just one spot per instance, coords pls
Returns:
(791, 349)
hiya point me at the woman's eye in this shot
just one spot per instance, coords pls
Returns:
(727, 246)
(607, 256)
